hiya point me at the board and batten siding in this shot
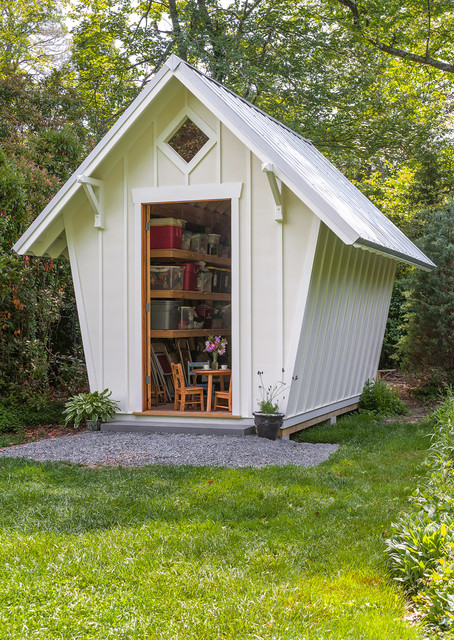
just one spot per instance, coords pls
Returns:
(343, 326)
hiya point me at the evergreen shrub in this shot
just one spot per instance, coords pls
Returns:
(15, 417)
(427, 347)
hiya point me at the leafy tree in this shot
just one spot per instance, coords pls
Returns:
(32, 35)
(427, 346)
(38, 151)
(299, 62)
(417, 32)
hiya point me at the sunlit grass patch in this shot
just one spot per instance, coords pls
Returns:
(192, 553)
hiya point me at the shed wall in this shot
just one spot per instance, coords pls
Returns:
(109, 261)
(343, 325)
(346, 297)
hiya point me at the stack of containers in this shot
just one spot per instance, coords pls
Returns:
(166, 277)
(213, 244)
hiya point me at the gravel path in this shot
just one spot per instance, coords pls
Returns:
(131, 449)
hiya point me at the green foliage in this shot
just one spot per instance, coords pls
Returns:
(427, 346)
(415, 32)
(421, 549)
(427, 392)
(394, 327)
(32, 35)
(14, 417)
(96, 406)
(10, 419)
(39, 149)
(381, 399)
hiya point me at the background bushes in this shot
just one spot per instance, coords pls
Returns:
(421, 547)
(382, 399)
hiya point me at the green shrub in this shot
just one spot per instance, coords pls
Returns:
(10, 419)
(14, 417)
(427, 346)
(49, 413)
(421, 548)
(382, 399)
(429, 392)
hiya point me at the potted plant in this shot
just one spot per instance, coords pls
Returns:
(94, 408)
(268, 419)
(216, 345)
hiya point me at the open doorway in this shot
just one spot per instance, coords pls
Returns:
(186, 291)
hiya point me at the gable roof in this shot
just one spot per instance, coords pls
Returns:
(306, 171)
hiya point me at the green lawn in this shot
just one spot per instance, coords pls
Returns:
(195, 553)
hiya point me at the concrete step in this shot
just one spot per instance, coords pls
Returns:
(164, 427)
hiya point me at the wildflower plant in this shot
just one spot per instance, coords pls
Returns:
(270, 395)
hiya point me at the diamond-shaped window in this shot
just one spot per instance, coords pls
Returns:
(188, 140)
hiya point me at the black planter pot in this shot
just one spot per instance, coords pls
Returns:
(268, 425)
(92, 425)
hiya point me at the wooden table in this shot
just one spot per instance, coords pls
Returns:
(210, 373)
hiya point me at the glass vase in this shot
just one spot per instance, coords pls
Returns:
(215, 364)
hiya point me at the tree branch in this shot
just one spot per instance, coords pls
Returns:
(426, 60)
(414, 57)
(428, 28)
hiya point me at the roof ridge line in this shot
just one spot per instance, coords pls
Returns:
(253, 106)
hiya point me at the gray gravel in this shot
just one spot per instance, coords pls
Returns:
(132, 449)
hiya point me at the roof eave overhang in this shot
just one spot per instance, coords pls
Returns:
(29, 241)
(426, 265)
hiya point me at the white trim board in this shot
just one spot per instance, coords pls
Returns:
(196, 193)
(191, 193)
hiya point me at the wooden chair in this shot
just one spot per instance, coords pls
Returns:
(191, 373)
(223, 399)
(157, 392)
(185, 395)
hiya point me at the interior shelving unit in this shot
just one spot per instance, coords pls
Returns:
(202, 217)
(176, 255)
(188, 256)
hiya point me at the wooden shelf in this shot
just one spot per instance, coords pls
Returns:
(188, 295)
(188, 333)
(188, 256)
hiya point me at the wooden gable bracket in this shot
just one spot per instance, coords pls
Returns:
(268, 168)
(96, 198)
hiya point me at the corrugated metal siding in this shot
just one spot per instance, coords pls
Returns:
(343, 325)
(311, 172)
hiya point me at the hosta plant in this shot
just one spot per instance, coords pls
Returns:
(96, 406)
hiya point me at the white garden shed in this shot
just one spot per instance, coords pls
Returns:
(297, 276)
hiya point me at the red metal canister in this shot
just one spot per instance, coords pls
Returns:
(191, 269)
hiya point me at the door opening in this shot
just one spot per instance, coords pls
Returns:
(187, 306)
